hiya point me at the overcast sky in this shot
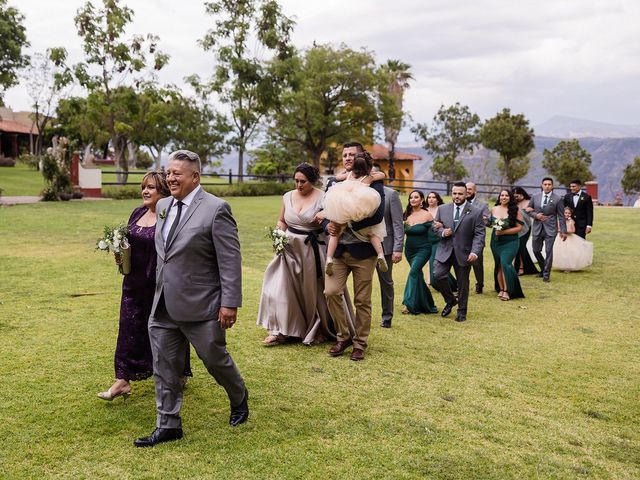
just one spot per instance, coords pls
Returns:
(578, 58)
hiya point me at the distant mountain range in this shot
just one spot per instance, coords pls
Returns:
(568, 127)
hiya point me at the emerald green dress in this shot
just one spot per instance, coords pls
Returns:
(417, 248)
(504, 249)
(435, 240)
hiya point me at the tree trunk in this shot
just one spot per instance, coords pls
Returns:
(240, 163)
(122, 167)
(133, 155)
(392, 156)
(88, 156)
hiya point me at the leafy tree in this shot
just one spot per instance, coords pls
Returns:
(568, 160)
(394, 79)
(82, 120)
(274, 159)
(330, 100)
(46, 82)
(631, 177)
(113, 60)
(454, 130)
(241, 79)
(510, 136)
(13, 40)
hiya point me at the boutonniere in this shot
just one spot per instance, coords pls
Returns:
(163, 213)
(581, 197)
(467, 211)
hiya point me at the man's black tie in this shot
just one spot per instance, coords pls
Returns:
(456, 218)
(175, 223)
(546, 199)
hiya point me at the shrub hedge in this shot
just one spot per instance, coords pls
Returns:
(125, 192)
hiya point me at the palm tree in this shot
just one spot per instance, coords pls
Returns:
(394, 81)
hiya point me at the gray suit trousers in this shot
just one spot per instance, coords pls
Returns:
(169, 342)
(478, 270)
(441, 272)
(386, 290)
(536, 244)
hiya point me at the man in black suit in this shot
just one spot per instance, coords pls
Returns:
(357, 258)
(581, 204)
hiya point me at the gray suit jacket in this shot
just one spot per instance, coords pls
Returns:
(393, 219)
(200, 269)
(554, 210)
(486, 213)
(468, 236)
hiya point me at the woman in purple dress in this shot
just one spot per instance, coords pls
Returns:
(133, 360)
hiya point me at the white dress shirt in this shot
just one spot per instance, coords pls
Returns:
(173, 211)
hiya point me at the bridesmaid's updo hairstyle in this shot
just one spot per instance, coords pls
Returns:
(160, 180)
(312, 173)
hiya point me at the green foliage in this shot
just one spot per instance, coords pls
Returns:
(30, 161)
(250, 189)
(329, 100)
(272, 159)
(510, 136)
(241, 79)
(393, 81)
(454, 130)
(631, 177)
(568, 161)
(121, 192)
(13, 40)
(109, 63)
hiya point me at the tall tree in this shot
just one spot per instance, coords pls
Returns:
(330, 100)
(13, 40)
(114, 61)
(241, 79)
(454, 131)
(510, 136)
(631, 177)
(394, 79)
(567, 161)
(46, 82)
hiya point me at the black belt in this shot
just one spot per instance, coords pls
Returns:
(312, 237)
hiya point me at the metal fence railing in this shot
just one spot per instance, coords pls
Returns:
(403, 186)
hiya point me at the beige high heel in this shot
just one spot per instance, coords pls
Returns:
(109, 396)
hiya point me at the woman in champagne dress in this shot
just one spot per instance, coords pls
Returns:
(292, 303)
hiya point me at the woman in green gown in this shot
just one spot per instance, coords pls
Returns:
(507, 221)
(434, 200)
(417, 297)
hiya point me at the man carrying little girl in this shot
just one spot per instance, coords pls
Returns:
(354, 255)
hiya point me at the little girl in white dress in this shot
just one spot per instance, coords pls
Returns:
(352, 200)
(575, 253)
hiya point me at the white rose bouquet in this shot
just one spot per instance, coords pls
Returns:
(501, 224)
(278, 239)
(115, 240)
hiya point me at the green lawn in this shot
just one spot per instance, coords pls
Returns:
(20, 180)
(543, 387)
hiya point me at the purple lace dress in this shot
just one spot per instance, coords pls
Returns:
(133, 359)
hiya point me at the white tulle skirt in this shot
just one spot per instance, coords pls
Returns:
(575, 253)
(351, 201)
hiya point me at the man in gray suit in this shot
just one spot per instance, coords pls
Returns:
(198, 292)
(547, 210)
(392, 246)
(463, 231)
(478, 265)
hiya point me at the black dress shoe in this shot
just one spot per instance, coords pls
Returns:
(240, 414)
(546, 279)
(386, 324)
(461, 317)
(159, 435)
(448, 307)
(478, 289)
(540, 274)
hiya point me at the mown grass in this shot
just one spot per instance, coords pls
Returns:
(544, 387)
(20, 180)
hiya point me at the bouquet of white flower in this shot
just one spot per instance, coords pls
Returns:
(115, 240)
(501, 223)
(278, 239)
